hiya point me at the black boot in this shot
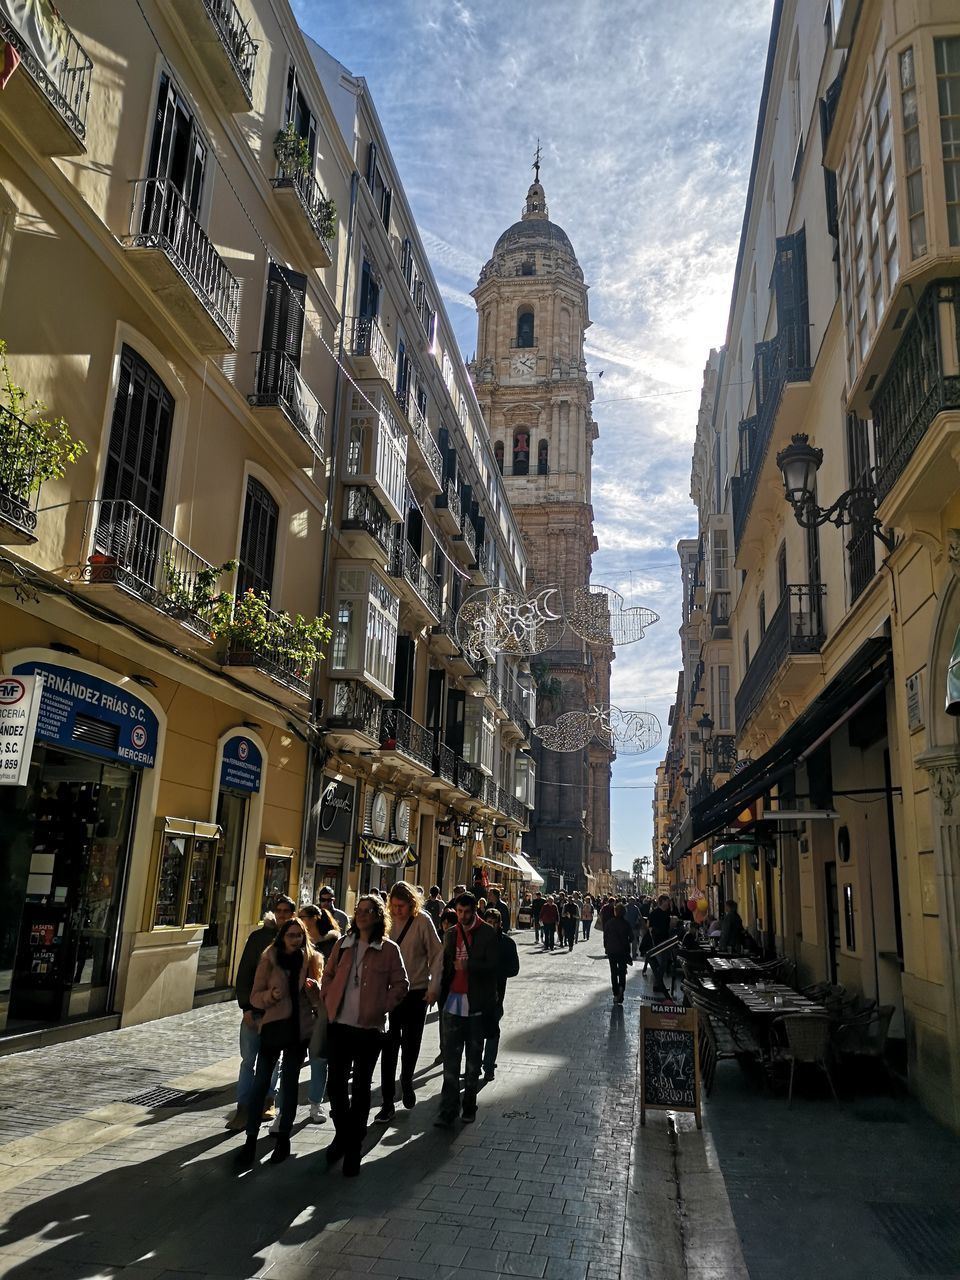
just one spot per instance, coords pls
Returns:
(351, 1162)
(246, 1156)
(334, 1152)
(281, 1149)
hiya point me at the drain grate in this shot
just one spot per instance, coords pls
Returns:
(162, 1097)
(925, 1237)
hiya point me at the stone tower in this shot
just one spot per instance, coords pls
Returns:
(531, 382)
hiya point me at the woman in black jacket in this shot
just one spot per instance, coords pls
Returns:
(618, 944)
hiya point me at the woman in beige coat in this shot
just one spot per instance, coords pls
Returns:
(414, 933)
(286, 990)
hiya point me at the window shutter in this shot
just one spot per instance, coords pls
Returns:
(139, 447)
(283, 314)
(790, 286)
(406, 261)
(371, 163)
(258, 541)
(385, 207)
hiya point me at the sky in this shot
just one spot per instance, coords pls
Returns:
(646, 111)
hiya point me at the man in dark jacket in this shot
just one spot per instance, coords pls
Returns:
(495, 901)
(536, 906)
(618, 944)
(468, 1007)
(508, 966)
(570, 922)
(731, 927)
(256, 944)
(659, 921)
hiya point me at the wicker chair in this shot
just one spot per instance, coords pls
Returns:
(807, 1039)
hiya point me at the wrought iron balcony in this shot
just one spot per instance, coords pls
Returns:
(178, 260)
(921, 382)
(695, 684)
(449, 501)
(223, 42)
(158, 574)
(406, 737)
(49, 91)
(428, 447)
(468, 778)
(722, 751)
(795, 628)
(370, 349)
(785, 358)
(18, 466)
(354, 708)
(862, 557)
(364, 513)
(310, 215)
(405, 563)
(279, 384)
(274, 659)
(445, 764)
(720, 610)
(467, 536)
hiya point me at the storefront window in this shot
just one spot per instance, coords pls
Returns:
(173, 861)
(201, 879)
(276, 876)
(186, 861)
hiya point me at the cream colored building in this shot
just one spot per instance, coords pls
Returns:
(844, 327)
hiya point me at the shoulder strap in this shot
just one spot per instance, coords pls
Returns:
(403, 931)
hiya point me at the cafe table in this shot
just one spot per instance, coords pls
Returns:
(727, 969)
(772, 999)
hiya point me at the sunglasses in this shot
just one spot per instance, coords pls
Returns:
(364, 911)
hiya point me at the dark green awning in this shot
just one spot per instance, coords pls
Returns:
(953, 678)
(730, 852)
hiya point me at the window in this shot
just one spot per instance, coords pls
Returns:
(525, 336)
(911, 151)
(297, 113)
(528, 268)
(364, 641)
(521, 452)
(378, 187)
(369, 305)
(137, 455)
(284, 312)
(761, 617)
(478, 732)
(719, 561)
(746, 651)
(498, 455)
(947, 58)
(722, 709)
(178, 152)
(258, 541)
(543, 458)
(782, 571)
(185, 865)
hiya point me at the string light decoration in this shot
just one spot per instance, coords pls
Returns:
(497, 621)
(628, 732)
(599, 616)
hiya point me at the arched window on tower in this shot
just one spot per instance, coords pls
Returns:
(543, 458)
(525, 336)
(498, 455)
(521, 452)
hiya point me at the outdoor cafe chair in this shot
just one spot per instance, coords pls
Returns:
(865, 1036)
(807, 1040)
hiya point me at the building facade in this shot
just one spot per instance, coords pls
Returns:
(532, 387)
(836, 832)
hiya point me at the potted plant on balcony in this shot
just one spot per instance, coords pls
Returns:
(34, 448)
(254, 637)
(189, 595)
(327, 218)
(292, 152)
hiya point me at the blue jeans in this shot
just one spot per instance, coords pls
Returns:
(268, 1060)
(249, 1047)
(318, 1079)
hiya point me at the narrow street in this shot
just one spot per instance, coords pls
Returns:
(556, 1180)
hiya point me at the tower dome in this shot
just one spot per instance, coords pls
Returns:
(534, 232)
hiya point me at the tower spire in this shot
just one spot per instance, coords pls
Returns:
(536, 163)
(536, 206)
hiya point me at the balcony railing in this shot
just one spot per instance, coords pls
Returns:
(18, 465)
(315, 205)
(450, 499)
(275, 659)
(161, 220)
(468, 536)
(356, 707)
(695, 684)
(720, 609)
(469, 778)
(279, 383)
(445, 763)
(428, 446)
(54, 59)
(786, 359)
(134, 552)
(366, 341)
(488, 791)
(236, 39)
(862, 556)
(401, 734)
(922, 381)
(722, 749)
(405, 563)
(363, 510)
(795, 628)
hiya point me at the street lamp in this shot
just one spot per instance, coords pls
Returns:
(799, 463)
(463, 827)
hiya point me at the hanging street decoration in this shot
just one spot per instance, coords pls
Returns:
(599, 616)
(495, 621)
(627, 732)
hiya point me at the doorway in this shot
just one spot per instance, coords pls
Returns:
(216, 949)
(833, 920)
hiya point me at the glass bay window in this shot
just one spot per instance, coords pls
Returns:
(376, 453)
(365, 617)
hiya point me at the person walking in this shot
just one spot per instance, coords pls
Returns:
(549, 919)
(731, 927)
(254, 947)
(413, 932)
(571, 922)
(434, 905)
(468, 1003)
(448, 918)
(633, 917)
(536, 906)
(323, 932)
(363, 982)
(618, 945)
(586, 917)
(606, 914)
(495, 900)
(508, 966)
(327, 900)
(659, 922)
(286, 991)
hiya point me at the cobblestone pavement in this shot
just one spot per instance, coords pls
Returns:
(541, 1186)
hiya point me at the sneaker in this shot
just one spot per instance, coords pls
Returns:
(316, 1113)
(238, 1121)
(409, 1097)
(275, 1127)
(385, 1114)
(438, 1059)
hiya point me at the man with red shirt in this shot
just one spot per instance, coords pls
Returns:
(468, 1007)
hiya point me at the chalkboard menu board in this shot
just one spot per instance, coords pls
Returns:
(669, 1060)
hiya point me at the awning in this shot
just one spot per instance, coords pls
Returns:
(507, 866)
(862, 677)
(528, 871)
(386, 853)
(953, 678)
(731, 852)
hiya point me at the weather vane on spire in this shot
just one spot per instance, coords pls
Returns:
(536, 162)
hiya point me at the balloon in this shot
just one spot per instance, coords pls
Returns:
(699, 916)
(692, 903)
(702, 904)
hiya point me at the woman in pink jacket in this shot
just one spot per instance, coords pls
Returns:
(363, 980)
(285, 993)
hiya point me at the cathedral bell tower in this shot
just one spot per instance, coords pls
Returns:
(531, 382)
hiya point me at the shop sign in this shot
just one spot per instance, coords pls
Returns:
(336, 812)
(914, 702)
(242, 765)
(19, 706)
(94, 716)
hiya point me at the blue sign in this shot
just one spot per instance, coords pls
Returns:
(94, 716)
(242, 765)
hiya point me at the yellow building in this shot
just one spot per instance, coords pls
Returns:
(837, 833)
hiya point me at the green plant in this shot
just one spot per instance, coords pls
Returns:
(248, 626)
(327, 213)
(292, 151)
(33, 447)
(195, 592)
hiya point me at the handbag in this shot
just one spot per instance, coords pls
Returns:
(318, 1036)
